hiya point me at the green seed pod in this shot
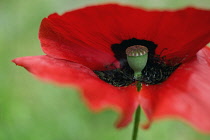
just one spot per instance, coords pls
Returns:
(137, 57)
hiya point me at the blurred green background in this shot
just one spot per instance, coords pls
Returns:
(33, 110)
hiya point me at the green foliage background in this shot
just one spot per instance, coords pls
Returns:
(33, 110)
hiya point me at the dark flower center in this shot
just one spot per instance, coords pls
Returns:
(155, 71)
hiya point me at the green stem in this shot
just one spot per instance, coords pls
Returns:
(138, 86)
(136, 123)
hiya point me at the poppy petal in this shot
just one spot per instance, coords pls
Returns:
(185, 94)
(183, 33)
(85, 36)
(97, 93)
(64, 39)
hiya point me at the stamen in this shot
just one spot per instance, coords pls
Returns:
(157, 68)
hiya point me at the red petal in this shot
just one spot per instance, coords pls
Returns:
(185, 94)
(183, 32)
(64, 40)
(97, 93)
(85, 36)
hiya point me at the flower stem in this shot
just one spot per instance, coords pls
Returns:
(136, 123)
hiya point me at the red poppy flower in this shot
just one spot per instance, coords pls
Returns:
(85, 48)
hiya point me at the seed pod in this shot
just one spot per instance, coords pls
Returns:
(137, 57)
